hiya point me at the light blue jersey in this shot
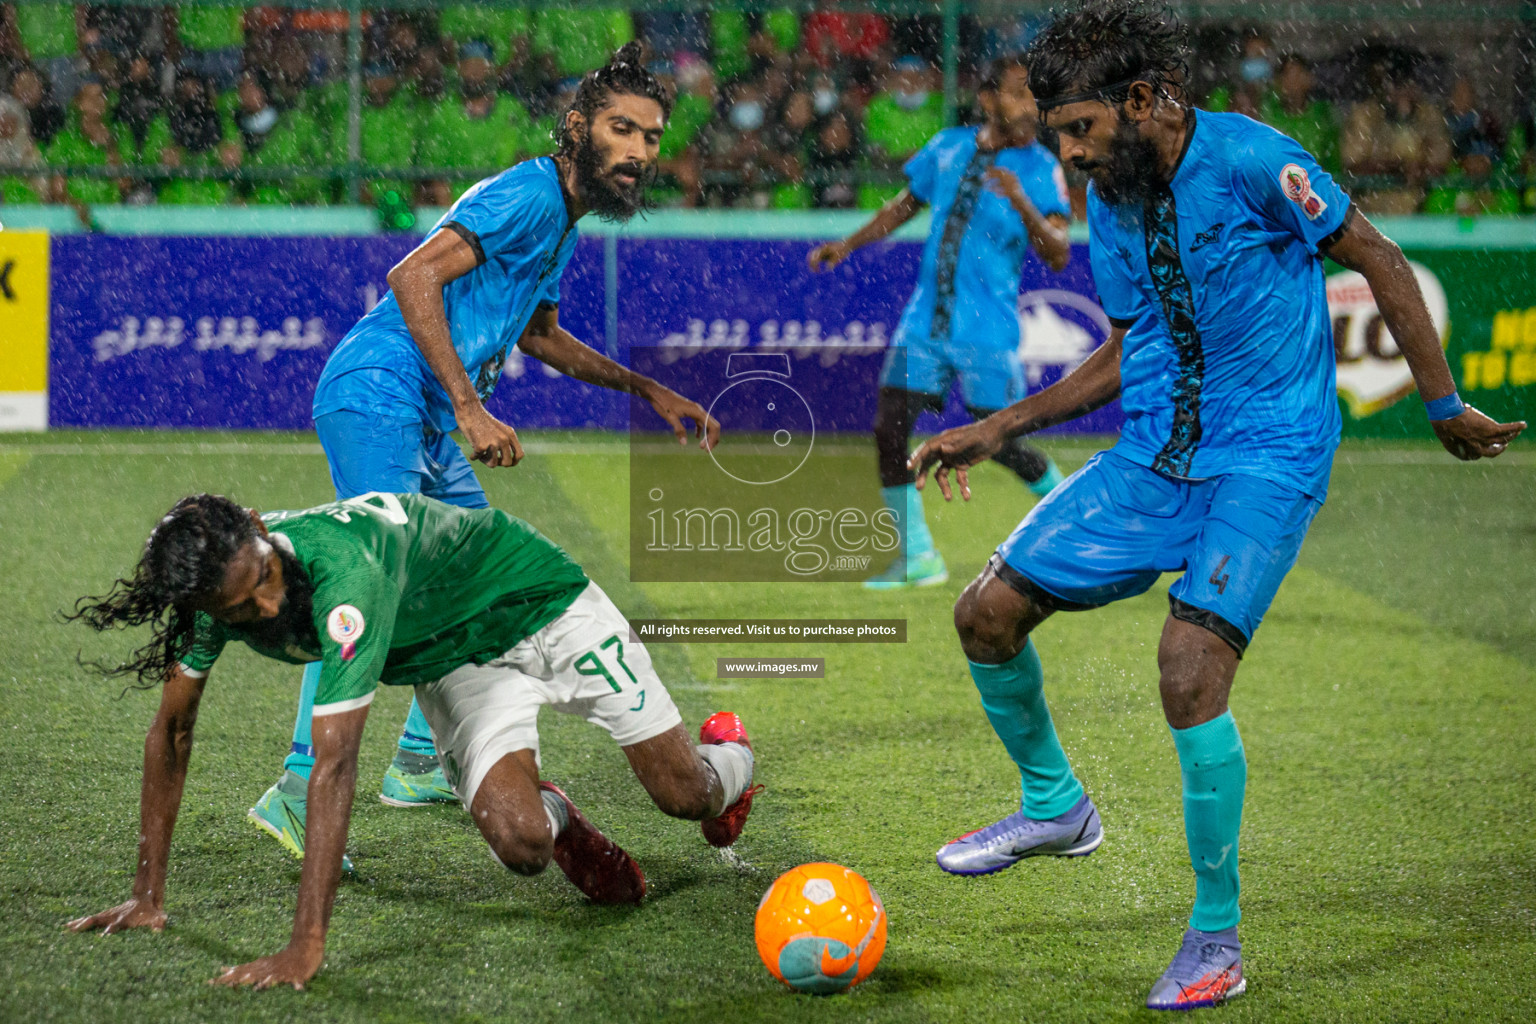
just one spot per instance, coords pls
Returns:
(1228, 363)
(968, 286)
(519, 227)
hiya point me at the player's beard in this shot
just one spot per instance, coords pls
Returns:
(610, 199)
(294, 623)
(1131, 170)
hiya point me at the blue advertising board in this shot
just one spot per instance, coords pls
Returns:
(233, 332)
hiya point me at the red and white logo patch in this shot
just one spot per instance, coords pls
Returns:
(1297, 187)
(345, 625)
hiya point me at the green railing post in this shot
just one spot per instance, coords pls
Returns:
(354, 97)
(951, 60)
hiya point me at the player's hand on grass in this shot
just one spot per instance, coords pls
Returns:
(136, 913)
(674, 408)
(293, 966)
(828, 255)
(958, 449)
(1475, 436)
(492, 441)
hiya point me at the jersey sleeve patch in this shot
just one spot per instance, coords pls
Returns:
(1297, 187)
(345, 625)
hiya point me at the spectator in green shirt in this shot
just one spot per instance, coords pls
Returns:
(18, 150)
(693, 109)
(583, 39)
(277, 139)
(1293, 110)
(898, 122)
(50, 35)
(212, 41)
(86, 141)
(499, 26)
(476, 130)
(391, 124)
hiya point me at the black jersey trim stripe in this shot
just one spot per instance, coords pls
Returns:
(1123, 325)
(1209, 621)
(469, 237)
(1034, 591)
(955, 226)
(1338, 232)
(1160, 226)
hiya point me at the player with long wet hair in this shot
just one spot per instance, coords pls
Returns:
(477, 611)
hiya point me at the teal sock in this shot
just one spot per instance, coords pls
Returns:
(416, 737)
(302, 757)
(1013, 696)
(1215, 773)
(906, 504)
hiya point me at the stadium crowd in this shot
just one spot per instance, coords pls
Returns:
(229, 104)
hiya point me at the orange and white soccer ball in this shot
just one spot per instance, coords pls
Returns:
(820, 928)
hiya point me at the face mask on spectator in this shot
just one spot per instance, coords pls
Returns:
(1256, 69)
(913, 100)
(825, 101)
(260, 122)
(747, 116)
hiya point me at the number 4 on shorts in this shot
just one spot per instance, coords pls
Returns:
(591, 663)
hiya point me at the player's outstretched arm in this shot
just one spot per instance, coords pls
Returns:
(546, 340)
(417, 282)
(889, 217)
(167, 750)
(1091, 385)
(331, 785)
(1047, 235)
(1465, 432)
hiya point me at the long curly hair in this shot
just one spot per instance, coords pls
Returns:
(184, 559)
(1099, 48)
(625, 74)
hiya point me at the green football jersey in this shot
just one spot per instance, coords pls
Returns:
(406, 589)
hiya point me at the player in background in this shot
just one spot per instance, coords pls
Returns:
(1208, 233)
(995, 192)
(426, 358)
(477, 610)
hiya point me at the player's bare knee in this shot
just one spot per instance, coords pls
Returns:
(986, 634)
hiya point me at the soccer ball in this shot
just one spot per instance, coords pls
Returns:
(820, 928)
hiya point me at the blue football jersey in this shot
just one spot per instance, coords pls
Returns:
(518, 225)
(968, 285)
(1228, 362)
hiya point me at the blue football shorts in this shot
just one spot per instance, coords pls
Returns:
(990, 378)
(1113, 527)
(368, 452)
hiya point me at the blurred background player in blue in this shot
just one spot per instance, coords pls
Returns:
(995, 192)
(1208, 233)
(425, 359)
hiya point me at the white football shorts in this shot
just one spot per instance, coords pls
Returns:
(583, 663)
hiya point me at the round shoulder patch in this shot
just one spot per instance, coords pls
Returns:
(1295, 183)
(345, 624)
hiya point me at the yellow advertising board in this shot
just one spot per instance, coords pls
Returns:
(23, 330)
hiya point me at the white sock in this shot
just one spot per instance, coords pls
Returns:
(554, 808)
(732, 764)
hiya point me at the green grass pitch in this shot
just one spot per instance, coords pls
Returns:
(1388, 848)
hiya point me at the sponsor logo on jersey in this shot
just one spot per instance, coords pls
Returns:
(1298, 189)
(1206, 237)
(345, 625)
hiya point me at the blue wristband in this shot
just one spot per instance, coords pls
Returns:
(1447, 408)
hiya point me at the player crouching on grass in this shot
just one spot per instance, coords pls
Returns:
(483, 615)
(1207, 238)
